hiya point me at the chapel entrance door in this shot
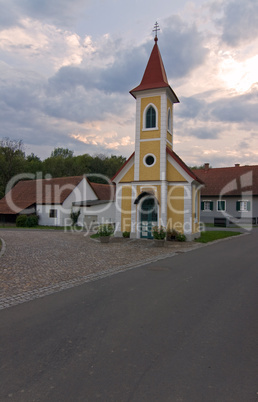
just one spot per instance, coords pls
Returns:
(148, 217)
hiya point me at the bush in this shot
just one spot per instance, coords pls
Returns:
(159, 232)
(32, 220)
(172, 234)
(180, 237)
(126, 234)
(105, 230)
(74, 216)
(21, 221)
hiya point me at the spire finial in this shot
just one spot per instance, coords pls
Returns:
(156, 29)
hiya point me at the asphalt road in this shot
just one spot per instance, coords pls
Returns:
(182, 329)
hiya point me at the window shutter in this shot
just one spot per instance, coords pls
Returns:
(211, 205)
(248, 206)
(238, 205)
(202, 205)
(221, 205)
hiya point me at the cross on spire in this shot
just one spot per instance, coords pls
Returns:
(156, 29)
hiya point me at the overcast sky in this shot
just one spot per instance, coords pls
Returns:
(66, 69)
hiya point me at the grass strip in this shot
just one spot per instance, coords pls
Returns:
(208, 236)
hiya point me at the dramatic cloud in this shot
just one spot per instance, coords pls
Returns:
(58, 12)
(183, 47)
(239, 109)
(190, 107)
(66, 73)
(239, 21)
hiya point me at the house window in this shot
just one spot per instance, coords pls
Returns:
(221, 205)
(207, 205)
(52, 213)
(243, 206)
(150, 117)
(169, 120)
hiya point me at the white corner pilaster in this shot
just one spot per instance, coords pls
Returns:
(137, 139)
(163, 206)
(188, 209)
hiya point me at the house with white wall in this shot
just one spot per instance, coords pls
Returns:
(229, 195)
(54, 199)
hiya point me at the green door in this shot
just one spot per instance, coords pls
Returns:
(149, 217)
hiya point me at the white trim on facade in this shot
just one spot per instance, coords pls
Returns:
(188, 194)
(150, 139)
(163, 136)
(125, 170)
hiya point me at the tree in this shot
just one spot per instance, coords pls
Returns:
(12, 161)
(60, 163)
(199, 167)
(33, 164)
(62, 152)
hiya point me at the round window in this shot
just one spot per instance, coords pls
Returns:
(149, 160)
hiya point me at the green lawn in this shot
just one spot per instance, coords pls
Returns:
(208, 236)
(33, 227)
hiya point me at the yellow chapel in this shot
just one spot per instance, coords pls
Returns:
(155, 187)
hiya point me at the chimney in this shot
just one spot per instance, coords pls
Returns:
(206, 166)
(237, 164)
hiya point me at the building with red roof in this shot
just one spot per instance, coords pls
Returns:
(230, 194)
(53, 199)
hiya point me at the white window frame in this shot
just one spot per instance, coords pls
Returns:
(146, 156)
(204, 204)
(54, 211)
(144, 128)
(169, 121)
(243, 205)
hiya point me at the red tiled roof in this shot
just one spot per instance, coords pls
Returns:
(46, 191)
(104, 192)
(155, 75)
(229, 180)
(184, 166)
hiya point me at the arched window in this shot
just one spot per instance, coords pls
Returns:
(151, 117)
(169, 120)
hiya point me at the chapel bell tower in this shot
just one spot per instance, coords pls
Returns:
(154, 119)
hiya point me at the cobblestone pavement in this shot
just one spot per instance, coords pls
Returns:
(35, 263)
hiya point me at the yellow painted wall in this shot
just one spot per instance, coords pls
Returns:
(169, 138)
(149, 172)
(173, 174)
(129, 176)
(145, 135)
(126, 208)
(169, 104)
(175, 208)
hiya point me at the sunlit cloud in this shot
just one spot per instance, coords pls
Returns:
(238, 75)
